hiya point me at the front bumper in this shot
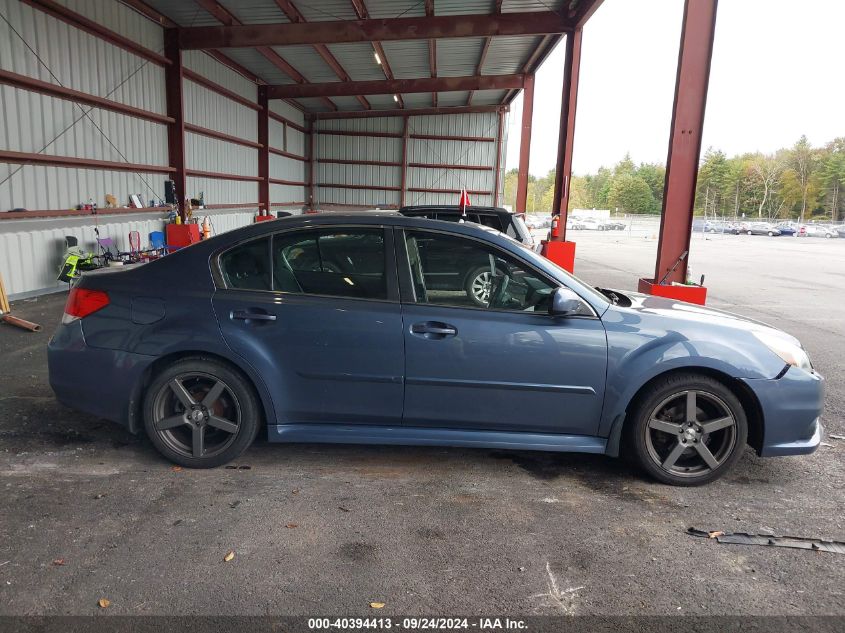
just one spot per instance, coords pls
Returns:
(792, 407)
(102, 382)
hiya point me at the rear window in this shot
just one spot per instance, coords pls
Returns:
(247, 267)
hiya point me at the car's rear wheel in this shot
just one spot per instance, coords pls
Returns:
(200, 413)
(687, 430)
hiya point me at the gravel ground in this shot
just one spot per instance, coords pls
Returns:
(329, 529)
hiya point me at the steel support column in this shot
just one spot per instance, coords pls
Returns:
(497, 179)
(312, 165)
(525, 144)
(568, 106)
(264, 150)
(693, 76)
(173, 75)
(404, 184)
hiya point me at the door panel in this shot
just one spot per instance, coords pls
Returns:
(324, 359)
(504, 371)
(496, 360)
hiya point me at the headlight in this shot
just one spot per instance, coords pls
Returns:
(791, 353)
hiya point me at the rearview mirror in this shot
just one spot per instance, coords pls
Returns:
(565, 302)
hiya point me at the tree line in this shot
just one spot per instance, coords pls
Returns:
(800, 182)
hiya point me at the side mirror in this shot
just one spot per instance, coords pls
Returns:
(565, 302)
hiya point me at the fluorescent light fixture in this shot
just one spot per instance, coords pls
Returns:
(396, 98)
(378, 59)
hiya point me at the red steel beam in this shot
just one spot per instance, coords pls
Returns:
(427, 190)
(288, 122)
(432, 53)
(403, 177)
(312, 162)
(451, 167)
(357, 133)
(385, 87)
(91, 27)
(295, 15)
(498, 173)
(228, 19)
(217, 88)
(445, 137)
(569, 98)
(26, 158)
(264, 151)
(163, 21)
(280, 152)
(281, 181)
(220, 136)
(68, 94)
(216, 175)
(355, 161)
(411, 112)
(696, 49)
(326, 185)
(333, 32)
(174, 75)
(238, 68)
(484, 50)
(361, 11)
(148, 12)
(525, 145)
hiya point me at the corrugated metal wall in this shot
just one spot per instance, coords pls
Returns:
(213, 111)
(293, 141)
(40, 124)
(385, 145)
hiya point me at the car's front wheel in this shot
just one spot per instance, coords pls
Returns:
(687, 429)
(200, 413)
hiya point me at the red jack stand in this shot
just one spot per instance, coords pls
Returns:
(561, 253)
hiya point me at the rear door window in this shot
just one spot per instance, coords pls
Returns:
(247, 266)
(332, 262)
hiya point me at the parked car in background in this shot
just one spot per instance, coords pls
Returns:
(761, 228)
(612, 225)
(590, 224)
(574, 224)
(343, 328)
(841, 231)
(787, 228)
(507, 222)
(718, 226)
(819, 230)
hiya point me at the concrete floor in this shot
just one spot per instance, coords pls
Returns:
(328, 529)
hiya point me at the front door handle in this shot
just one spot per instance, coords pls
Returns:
(434, 329)
(246, 315)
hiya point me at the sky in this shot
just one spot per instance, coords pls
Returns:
(777, 73)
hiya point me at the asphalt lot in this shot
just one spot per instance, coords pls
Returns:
(328, 529)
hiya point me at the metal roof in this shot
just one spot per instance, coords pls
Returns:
(413, 59)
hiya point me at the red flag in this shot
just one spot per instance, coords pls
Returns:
(464, 202)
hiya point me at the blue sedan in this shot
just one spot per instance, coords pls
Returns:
(380, 329)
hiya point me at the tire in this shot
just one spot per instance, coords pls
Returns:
(771, 234)
(749, 233)
(478, 285)
(660, 438)
(178, 410)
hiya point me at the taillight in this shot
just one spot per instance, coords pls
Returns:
(81, 302)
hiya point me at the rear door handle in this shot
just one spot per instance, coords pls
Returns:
(245, 315)
(434, 329)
